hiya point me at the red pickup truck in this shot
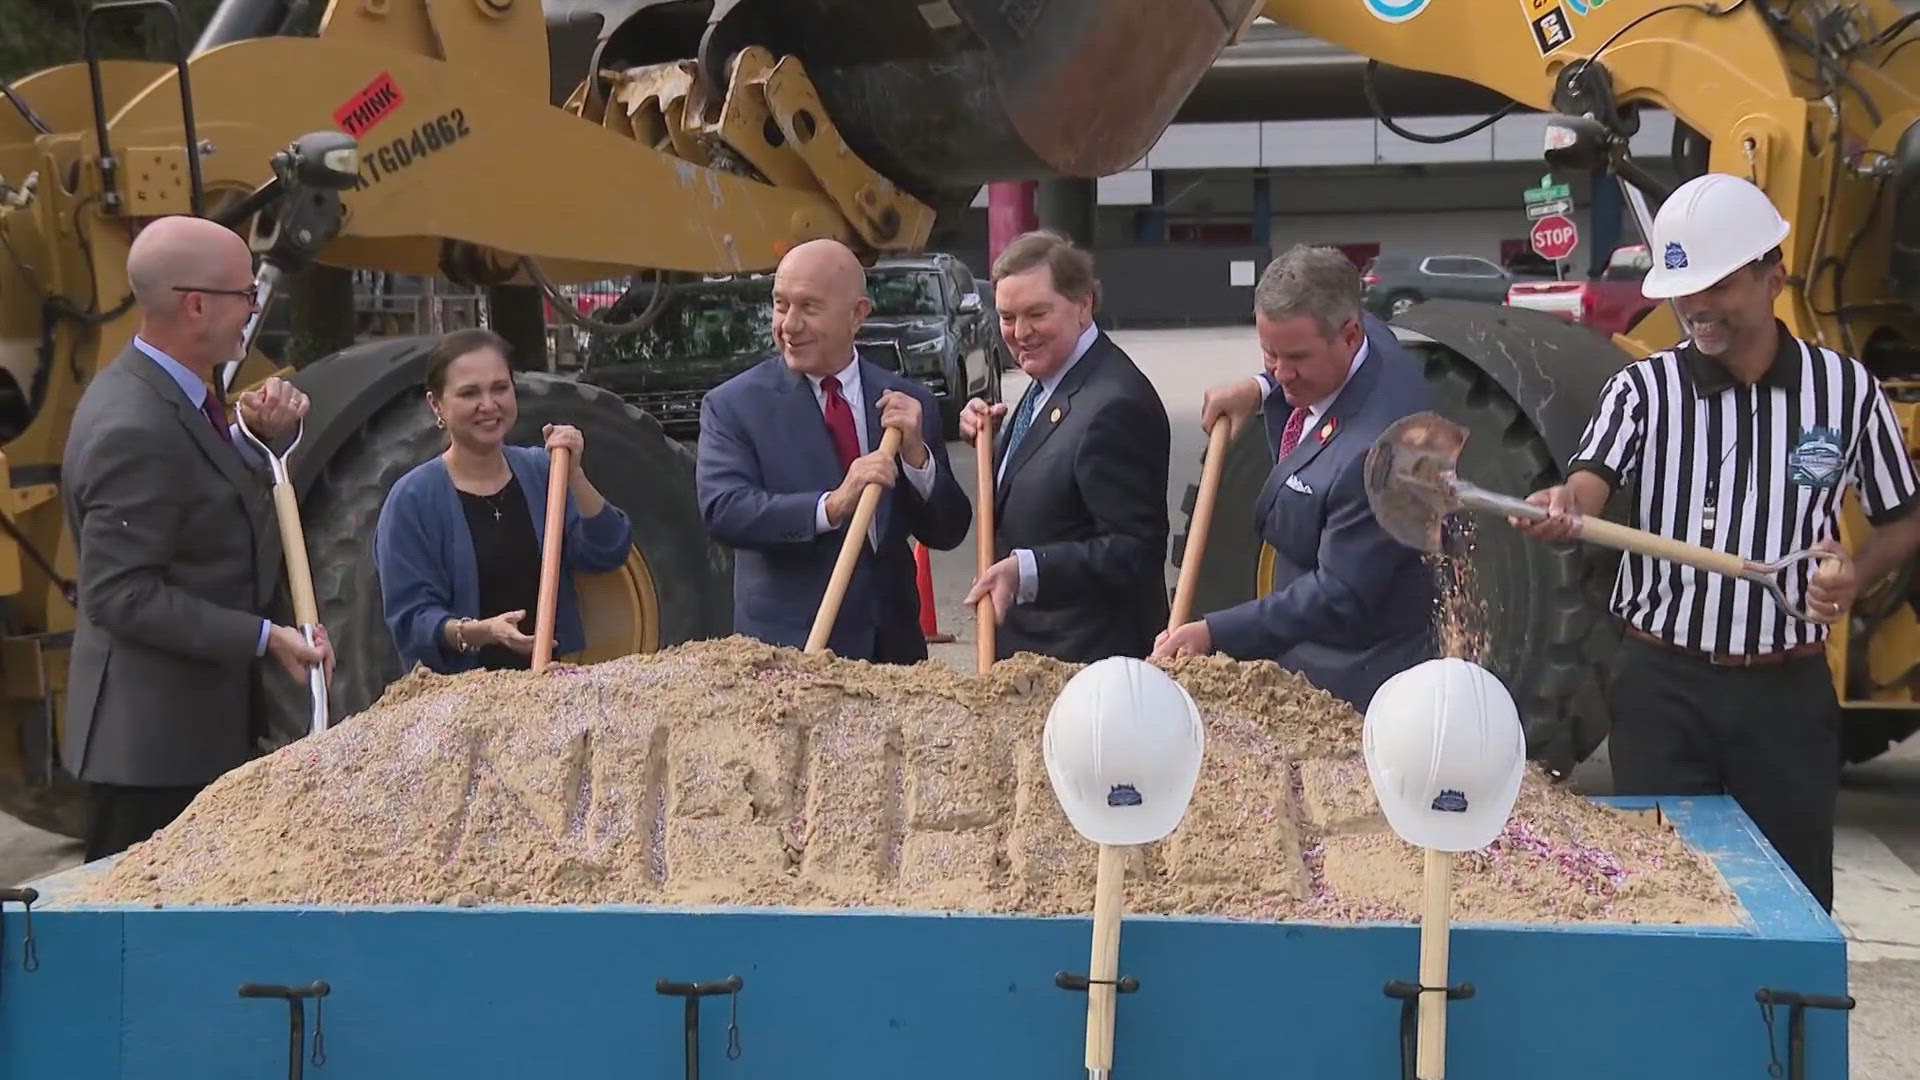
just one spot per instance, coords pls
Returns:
(1610, 304)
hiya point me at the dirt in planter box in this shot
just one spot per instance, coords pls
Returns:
(733, 772)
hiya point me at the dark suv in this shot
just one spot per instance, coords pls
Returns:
(948, 334)
(929, 321)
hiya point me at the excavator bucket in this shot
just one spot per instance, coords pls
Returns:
(956, 93)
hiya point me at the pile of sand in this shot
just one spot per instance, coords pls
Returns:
(735, 772)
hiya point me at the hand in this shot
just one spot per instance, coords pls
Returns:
(1559, 522)
(289, 646)
(1002, 582)
(1237, 401)
(567, 437)
(902, 411)
(874, 468)
(971, 417)
(273, 409)
(1831, 590)
(502, 629)
(1187, 639)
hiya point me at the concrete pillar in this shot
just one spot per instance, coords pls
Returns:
(1009, 213)
(1150, 225)
(1262, 209)
(1067, 206)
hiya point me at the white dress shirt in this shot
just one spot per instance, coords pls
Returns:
(921, 478)
(1029, 570)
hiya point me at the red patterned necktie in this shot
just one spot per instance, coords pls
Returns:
(216, 413)
(846, 442)
(1290, 437)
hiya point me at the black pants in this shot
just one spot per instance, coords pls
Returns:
(119, 817)
(1768, 735)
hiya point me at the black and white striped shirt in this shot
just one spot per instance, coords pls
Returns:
(1754, 470)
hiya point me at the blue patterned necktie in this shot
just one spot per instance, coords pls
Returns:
(1023, 417)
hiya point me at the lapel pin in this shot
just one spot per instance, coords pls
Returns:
(1055, 418)
(1326, 429)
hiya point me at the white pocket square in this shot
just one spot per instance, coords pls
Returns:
(1294, 483)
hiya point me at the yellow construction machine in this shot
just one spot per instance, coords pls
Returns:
(1813, 100)
(490, 142)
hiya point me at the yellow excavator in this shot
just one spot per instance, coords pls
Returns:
(497, 142)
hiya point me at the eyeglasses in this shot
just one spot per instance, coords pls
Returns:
(251, 292)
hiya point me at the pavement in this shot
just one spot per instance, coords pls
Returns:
(1876, 841)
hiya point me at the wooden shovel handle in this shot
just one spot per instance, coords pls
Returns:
(550, 556)
(983, 486)
(1109, 893)
(1615, 535)
(1431, 1063)
(850, 546)
(293, 542)
(1611, 534)
(1201, 523)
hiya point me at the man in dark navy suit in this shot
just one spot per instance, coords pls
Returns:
(1080, 470)
(1350, 605)
(787, 446)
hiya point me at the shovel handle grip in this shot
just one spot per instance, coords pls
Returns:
(850, 546)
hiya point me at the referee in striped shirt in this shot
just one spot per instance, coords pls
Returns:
(1741, 439)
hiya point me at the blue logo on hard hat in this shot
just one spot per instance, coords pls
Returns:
(1123, 795)
(1396, 10)
(1451, 802)
(1676, 256)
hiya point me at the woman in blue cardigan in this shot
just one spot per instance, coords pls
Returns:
(458, 543)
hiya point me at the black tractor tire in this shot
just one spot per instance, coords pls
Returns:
(1547, 637)
(628, 458)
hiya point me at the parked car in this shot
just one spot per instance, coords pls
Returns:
(1394, 283)
(1610, 304)
(949, 335)
(929, 322)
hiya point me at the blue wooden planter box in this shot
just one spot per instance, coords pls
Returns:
(420, 992)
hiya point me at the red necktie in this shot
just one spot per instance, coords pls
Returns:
(217, 414)
(1290, 437)
(846, 442)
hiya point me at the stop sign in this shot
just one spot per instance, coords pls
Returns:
(1554, 237)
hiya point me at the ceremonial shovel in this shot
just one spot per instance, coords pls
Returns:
(1412, 487)
(560, 465)
(293, 541)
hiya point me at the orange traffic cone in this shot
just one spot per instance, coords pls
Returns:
(929, 615)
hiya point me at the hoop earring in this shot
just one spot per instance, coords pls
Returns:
(438, 421)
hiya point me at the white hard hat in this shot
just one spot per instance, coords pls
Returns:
(1709, 227)
(1123, 744)
(1445, 753)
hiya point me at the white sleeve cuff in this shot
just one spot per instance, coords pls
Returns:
(820, 522)
(922, 478)
(1266, 384)
(1029, 577)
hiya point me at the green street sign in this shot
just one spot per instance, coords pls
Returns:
(1548, 191)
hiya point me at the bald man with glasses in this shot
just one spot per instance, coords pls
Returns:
(178, 550)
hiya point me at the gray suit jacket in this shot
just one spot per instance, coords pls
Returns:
(1350, 605)
(178, 554)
